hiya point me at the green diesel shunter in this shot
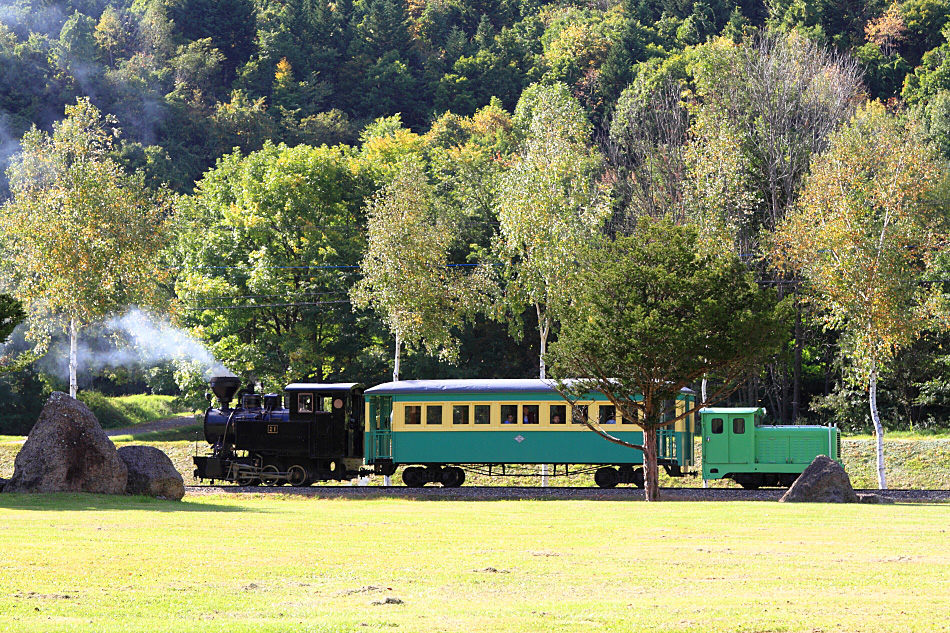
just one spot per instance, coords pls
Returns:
(738, 446)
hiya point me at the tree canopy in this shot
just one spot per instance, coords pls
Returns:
(649, 315)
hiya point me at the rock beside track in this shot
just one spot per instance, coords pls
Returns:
(824, 481)
(67, 451)
(152, 473)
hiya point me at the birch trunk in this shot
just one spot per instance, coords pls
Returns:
(396, 363)
(544, 327)
(878, 429)
(651, 473)
(73, 357)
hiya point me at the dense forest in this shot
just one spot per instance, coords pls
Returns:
(277, 132)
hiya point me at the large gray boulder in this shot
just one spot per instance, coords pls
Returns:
(67, 451)
(152, 473)
(824, 481)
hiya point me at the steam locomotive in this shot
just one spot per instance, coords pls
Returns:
(317, 437)
(439, 428)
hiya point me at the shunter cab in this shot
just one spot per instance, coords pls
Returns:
(738, 445)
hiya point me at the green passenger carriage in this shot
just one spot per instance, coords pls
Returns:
(434, 426)
(737, 445)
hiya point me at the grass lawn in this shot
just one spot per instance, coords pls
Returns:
(215, 563)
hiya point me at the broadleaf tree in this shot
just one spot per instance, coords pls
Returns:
(549, 203)
(266, 251)
(82, 236)
(868, 223)
(408, 277)
(650, 314)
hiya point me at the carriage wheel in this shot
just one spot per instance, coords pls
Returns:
(269, 475)
(638, 477)
(297, 475)
(607, 477)
(452, 477)
(414, 477)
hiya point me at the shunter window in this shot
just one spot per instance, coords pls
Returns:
(579, 413)
(460, 414)
(716, 426)
(413, 414)
(482, 414)
(509, 414)
(558, 414)
(305, 403)
(738, 426)
(608, 414)
(434, 414)
(530, 413)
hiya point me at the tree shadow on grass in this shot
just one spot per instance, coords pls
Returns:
(84, 501)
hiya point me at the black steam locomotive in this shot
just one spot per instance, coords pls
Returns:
(315, 435)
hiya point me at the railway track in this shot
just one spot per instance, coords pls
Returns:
(497, 493)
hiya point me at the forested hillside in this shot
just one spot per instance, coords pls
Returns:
(291, 146)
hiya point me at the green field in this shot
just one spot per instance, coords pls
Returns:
(92, 563)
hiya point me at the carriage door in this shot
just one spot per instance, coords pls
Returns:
(379, 429)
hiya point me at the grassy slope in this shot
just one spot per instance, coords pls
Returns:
(123, 411)
(88, 563)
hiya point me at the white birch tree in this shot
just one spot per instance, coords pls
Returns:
(549, 202)
(82, 236)
(864, 231)
(408, 278)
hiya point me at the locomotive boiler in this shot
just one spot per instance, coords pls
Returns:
(311, 433)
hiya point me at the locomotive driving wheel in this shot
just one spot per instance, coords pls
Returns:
(297, 475)
(270, 476)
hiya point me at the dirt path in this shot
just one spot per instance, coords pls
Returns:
(157, 425)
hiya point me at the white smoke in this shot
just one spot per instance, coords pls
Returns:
(134, 340)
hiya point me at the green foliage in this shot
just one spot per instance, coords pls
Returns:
(266, 251)
(406, 273)
(82, 235)
(653, 313)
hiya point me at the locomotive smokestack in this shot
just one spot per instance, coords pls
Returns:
(224, 387)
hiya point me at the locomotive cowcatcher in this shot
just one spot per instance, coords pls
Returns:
(314, 433)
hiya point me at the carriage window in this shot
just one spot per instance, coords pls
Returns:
(305, 403)
(738, 426)
(460, 414)
(509, 414)
(482, 413)
(608, 414)
(629, 421)
(530, 413)
(327, 402)
(579, 413)
(434, 414)
(558, 414)
(413, 414)
(716, 425)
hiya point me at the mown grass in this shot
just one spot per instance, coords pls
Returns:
(92, 563)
